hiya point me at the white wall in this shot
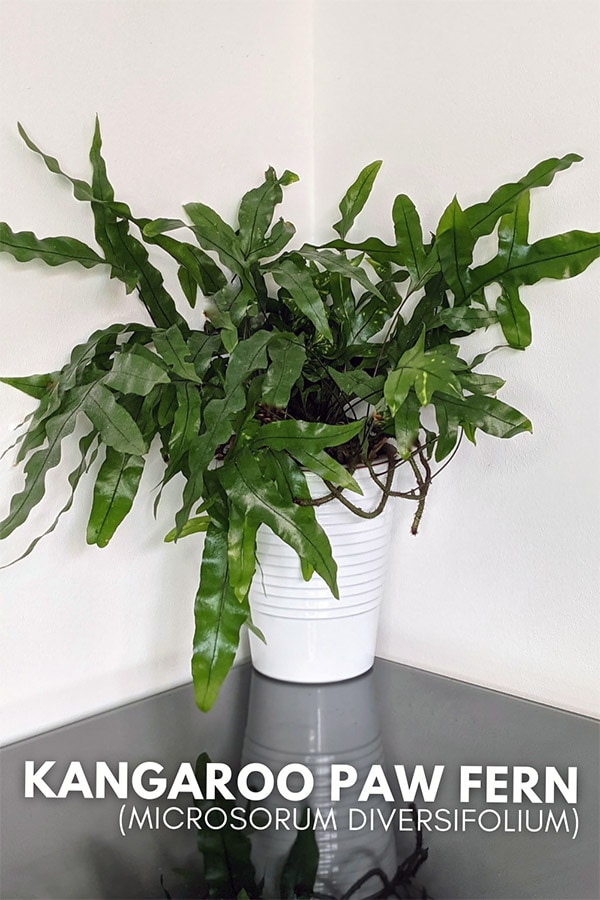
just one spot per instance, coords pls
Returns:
(196, 99)
(501, 586)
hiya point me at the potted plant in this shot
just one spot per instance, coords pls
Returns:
(303, 393)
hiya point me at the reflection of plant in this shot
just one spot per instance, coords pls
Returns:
(228, 869)
(308, 359)
(229, 873)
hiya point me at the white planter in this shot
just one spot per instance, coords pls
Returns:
(312, 637)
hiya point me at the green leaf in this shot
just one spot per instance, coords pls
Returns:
(247, 357)
(518, 262)
(198, 266)
(337, 262)
(257, 208)
(81, 189)
(217, 430)
(201, 349)
(213, 233)
(117, 428)
(299, 871)
(73, 479)
(37, 386)
(373, 247)
(480, 384)
(255, 490)
(514, 317)
(407, 423)
(59, 426)
(279, 237)
(359, 383)
(135, 370)
(186, 425)
(355, 198)
(114, 492)
(467, 318)
(297, 280)
(127, 256)
(189, 285)
(488, 414)
(173, 348)
(319, 462)
(192, 526)
(111, 232)
(241, 551)
(448, 419)
(294, 434)
(54, 251)
(429, 371)
(482, 217)
(409, 236)
(227, 864)
(218, 616)
(287, 360)
(291, 482)
(454, 244)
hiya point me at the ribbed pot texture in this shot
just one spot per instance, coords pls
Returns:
(319, 726)
(310, 636)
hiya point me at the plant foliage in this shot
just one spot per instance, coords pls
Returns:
(319, 358)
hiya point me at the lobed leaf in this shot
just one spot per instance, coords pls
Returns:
(428, 371)
(74, 478)
(215, 234)
(173, 348)
(296, 279)
(254, 489)
(217, 430)
(135, 370)
(279, 237)
(257, 208)
(39, 463)
(337, 262)
(482, 217)
(488, 414)
(287, 355)
(202, 348)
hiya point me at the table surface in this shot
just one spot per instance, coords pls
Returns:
(393, 716)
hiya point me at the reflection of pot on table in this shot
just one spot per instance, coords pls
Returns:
(319, 726)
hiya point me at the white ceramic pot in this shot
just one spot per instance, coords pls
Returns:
(310, 636)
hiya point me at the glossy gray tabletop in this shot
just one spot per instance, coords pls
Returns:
(394, 717)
